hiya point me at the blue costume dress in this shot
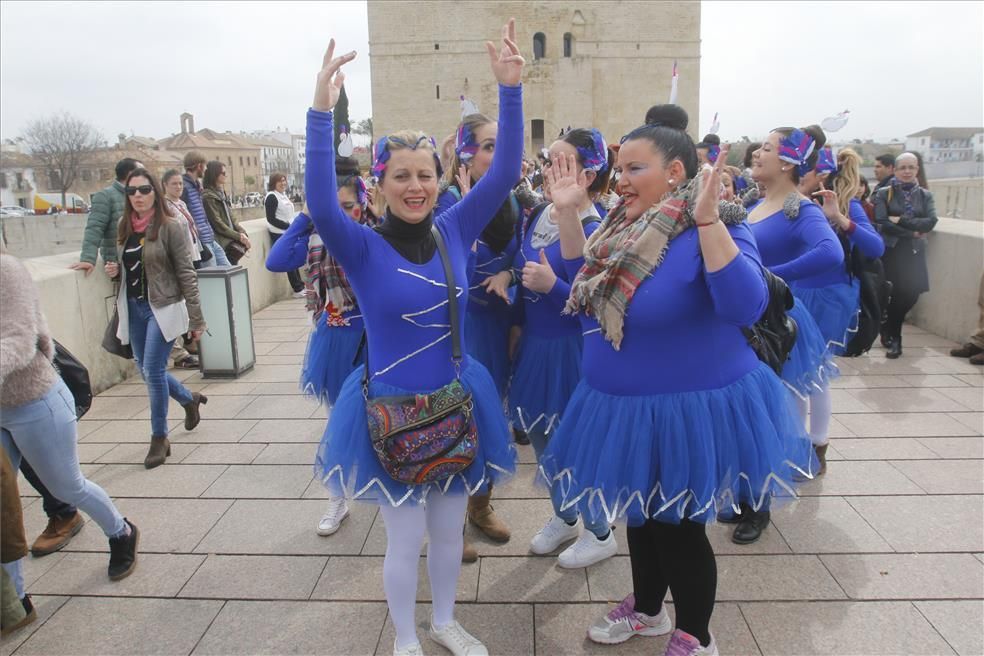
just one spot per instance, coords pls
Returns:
(683, 419)
(795, 249)
(333, 344)
(833, 297)
(488, 320)
(404, 307)
(548, 361)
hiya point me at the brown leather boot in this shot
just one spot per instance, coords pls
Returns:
(469, 554)
(482, 514)
(822, 457)
(193, 410)
(160, 449)
(57, 534)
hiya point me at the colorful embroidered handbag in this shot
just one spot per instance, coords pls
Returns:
(426, 438)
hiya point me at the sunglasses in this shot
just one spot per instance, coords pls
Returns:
(144, 190)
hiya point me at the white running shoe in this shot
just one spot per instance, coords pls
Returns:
(684, 644)
(300, 294)
(413, 650)
(458, 641)
(555, 533)
(588, 550)
(332, 519)
(623, 622)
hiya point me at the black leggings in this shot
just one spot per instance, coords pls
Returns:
(898, 307)
(678, 558)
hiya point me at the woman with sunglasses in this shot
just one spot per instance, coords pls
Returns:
(400, 280)
(158, 302)
(675, 416)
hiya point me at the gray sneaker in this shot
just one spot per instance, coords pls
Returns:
(458, 641)
(623, 622)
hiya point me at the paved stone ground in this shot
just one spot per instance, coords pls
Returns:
(882, 556)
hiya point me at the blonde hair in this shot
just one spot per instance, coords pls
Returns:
(473, 122)
(848, 180)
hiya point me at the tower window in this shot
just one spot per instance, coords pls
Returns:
(438, 90)
(437, 46)
(536, 133)
(568, 44)
(539, 45)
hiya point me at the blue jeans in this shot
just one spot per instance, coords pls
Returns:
(219, 257)
(598, 526)
(151, 353)
(44, 431)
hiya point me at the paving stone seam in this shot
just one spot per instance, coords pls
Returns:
(34, 627)
(209, 627)
(317, 580)
(748, 626)
(938, 632)
(212, 527)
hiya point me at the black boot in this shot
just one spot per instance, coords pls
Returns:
(160, 449)
(750, 528)
(521, 437)
(894, 351)
(123, 553)
(192, 410)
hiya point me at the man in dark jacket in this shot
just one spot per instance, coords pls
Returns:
(884, 171)
(194, 164)
(100, 227)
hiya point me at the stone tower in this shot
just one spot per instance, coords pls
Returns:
(589, 64)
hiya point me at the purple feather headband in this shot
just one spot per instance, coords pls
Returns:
(826, 162)
(796, 149)
(381, 153)
(595, 158)
(465, 145)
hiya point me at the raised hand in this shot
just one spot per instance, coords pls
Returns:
(568, 186)
(507, 63)
(330, 79)
(831, 209)
(706, 207)
(464, 180)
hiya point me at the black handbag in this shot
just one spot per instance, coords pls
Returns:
(773, 336)
(76, 378)
(875, 294)
(111, 342)
(235, 250)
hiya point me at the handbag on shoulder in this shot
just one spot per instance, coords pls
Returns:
(76, 378)
(425, 438)
(773, 336)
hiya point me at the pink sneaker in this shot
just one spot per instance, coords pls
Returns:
(684, 644)
(623, 622)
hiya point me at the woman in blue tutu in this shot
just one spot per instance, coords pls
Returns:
(834, 296)
(399, 277)
(488, 322)
(675, 417)
(548, 360)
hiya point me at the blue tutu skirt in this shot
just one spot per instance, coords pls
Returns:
(835, 308)
(678, 456)
(547, 372)
(810, 366)
(347, 464)
(329, 359)
(487, 340)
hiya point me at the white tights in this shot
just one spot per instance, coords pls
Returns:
(820, 408)
(442, 518)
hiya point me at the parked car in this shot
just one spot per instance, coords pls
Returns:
(15, 210)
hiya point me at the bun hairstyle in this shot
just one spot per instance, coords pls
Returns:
(583, 141)
(819, 140)
(666, 130)
(710, 140)
(348, 176)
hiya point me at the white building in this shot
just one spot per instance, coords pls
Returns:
(281, 151)
(948, 144)
(17, 184)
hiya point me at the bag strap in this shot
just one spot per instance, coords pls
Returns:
(456, 354)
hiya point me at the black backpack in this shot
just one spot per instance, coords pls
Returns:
(875, 294)
(76, 378)
(773, 336)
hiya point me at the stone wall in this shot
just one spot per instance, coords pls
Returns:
(79, 307)
(621, 64)
(959, 198)
(955, 253)
(52, 234)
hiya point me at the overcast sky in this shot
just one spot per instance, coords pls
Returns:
(135, 67)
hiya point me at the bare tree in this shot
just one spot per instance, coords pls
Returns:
(61, 143)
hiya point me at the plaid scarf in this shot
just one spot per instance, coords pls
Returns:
(325, 274)
(623, 252)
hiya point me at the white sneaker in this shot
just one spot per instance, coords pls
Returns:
(555, 533)
(458, 641)
(413, 650)
(623, 622)
(588, 550)
(332, 519)
(300, 294)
